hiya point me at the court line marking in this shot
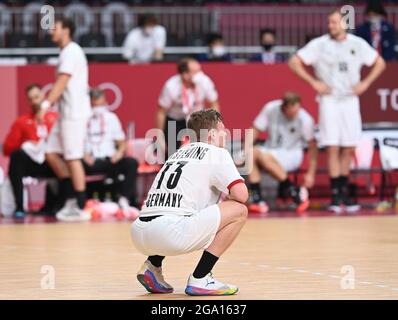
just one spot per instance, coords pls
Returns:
(333, 276)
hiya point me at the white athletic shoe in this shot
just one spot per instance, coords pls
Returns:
(208, 286)
(71, 213)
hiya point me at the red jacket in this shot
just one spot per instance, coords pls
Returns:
(25, 128)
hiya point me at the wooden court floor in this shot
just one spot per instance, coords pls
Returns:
(288, 258)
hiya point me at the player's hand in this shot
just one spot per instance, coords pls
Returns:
(89, 159)
(117, 156)
(360, 88)
(309, 180)
(321, 87)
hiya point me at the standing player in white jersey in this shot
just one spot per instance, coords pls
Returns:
(337, 59)
(65, 145)
(181, 213)
(290, 128)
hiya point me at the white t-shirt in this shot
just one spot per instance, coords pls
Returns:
(192, 179)
(282, 132)
(74, 103)
(181, 101)
(104, 129)
(140, 48)
(338, 63)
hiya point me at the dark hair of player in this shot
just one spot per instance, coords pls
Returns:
(32, 86)
(147, 19)
(290, 98)
(67, 23)
(203, 119)
(183, 65)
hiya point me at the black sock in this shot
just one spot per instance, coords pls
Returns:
(335, 186)
(255, 191)
(81, 199)
(156, 260)
(206, 263)
(65, 190)
(286, 184)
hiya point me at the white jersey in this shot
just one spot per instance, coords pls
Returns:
(181, 101)
(191, 180)
(140, 48)
(103, 130)
(338, 63)
(74, 103)
(282, 132)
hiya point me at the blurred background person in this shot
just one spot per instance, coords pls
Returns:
(290, 129)
(217, 50)
(184, 93)
(267, 42)
(377, 31)
(25, 144)
(146, 42)
(105, 150)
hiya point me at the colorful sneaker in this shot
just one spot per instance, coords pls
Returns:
(152, 279)
(258, 207)
(208, 286)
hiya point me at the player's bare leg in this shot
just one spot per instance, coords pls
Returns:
(272, 166)
(58, 165)
(201, 282)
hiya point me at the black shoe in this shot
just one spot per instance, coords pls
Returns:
(351, 205)
(348, 199)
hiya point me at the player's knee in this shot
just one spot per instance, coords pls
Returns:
(243, 212)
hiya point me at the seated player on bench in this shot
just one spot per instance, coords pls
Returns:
(289, 128)
(25, 146)
(105, 150)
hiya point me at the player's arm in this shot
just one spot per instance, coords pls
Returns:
(309, 178)
(297, 66)
(56, 91)
(121, 146)
(13, 140)
(239, 193)
(374, 73)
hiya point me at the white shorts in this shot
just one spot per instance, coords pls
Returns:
(67, 138)
(172, 235)
(289, 159)
(340, 121)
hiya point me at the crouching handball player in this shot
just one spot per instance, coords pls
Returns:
(181, 213)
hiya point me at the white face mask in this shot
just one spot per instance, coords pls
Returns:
(218, 51)
(196, 77)
(148, 31)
